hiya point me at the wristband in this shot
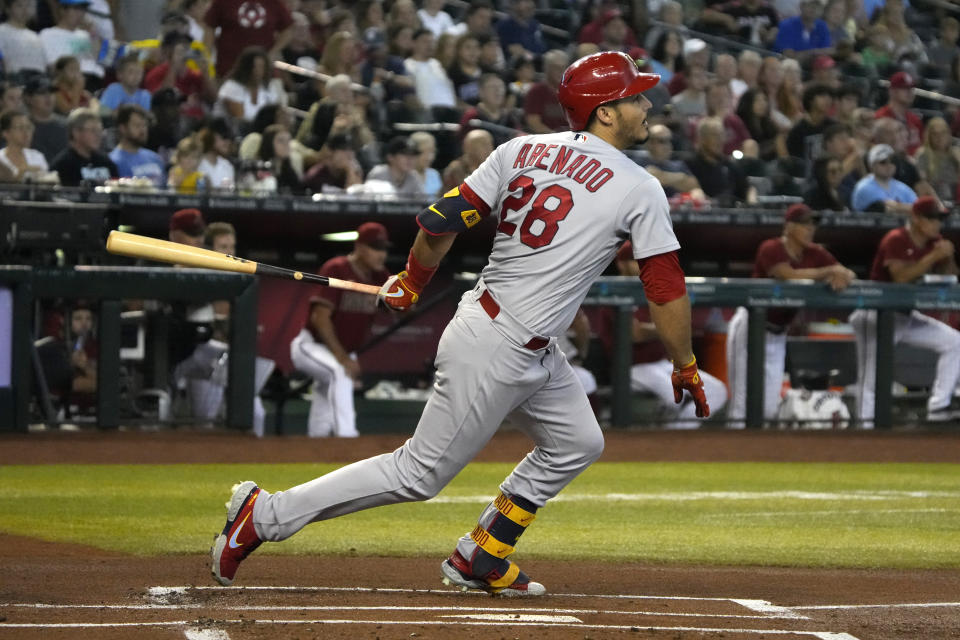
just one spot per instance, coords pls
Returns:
(418, 276)
(686, 366)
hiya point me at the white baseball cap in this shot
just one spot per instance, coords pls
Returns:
(879, 152)
(693, 45)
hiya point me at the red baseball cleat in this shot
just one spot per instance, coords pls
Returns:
(457, 572)
(239, 537)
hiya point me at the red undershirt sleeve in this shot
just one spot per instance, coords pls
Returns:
(663, 279)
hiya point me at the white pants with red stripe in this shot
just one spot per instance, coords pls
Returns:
(331, 407)
(915, 329)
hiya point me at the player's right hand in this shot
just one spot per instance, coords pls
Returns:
(398, 293)
(688, 377)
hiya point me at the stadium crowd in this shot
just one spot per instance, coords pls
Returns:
(758, 98)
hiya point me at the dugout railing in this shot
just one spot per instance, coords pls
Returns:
(106, 288)
(758, 295)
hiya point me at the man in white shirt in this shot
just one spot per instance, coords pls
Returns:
(433, 86)
(433, 17)
(69, 38)
(21, 46)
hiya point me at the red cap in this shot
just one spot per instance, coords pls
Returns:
(190, 221)
(823, 62)
(902, 80)
(800, 213)
(625, 252)
(610, 14)
(928, 207)
(373, 234)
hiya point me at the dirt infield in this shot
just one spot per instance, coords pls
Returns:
(109, 595)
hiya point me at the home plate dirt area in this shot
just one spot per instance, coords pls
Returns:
(52, 591)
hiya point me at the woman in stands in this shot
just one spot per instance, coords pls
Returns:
(666, 57)
(938, 161)
(824, 194)
(275, 149)
(754, 111)
(17, 156)
(465, 71)
(248, 87)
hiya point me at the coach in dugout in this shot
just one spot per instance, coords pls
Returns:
(906, 254)
(337, 324)
(792, 256)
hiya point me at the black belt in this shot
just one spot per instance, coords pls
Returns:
(493, 310)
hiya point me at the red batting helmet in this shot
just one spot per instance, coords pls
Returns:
(599, 78)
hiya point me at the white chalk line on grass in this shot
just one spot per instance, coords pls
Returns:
(825, 512)
(823, 635)
(774, 611)
(682, 496)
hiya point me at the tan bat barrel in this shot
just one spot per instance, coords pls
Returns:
(137, 246)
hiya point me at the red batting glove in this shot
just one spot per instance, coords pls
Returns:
(398, 293)
(688, 377)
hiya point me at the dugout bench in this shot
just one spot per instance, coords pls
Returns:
(758, 295)
(108, 286)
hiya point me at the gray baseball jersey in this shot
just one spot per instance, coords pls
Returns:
(565, 203)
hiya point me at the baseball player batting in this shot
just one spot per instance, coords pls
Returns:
(564, 202)
(905, 254)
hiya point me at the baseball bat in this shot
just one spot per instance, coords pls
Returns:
(136, 246)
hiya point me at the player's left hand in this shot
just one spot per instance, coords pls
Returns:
(688, 377)
(397, 292)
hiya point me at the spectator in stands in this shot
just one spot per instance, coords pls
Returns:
(941, 52)
(492, 108)
(770, 81)
(599, 14)
(69, 84)
(835, 17)
(433, 17)
(477, 145)
(465, 71)
(216, 140)
(337, 170)
(82, 161)
(275, 150)
(50, 134)
(301, 156)
(542, 110)
(894, 133)
(433, 86)
(754, 111)
(398, 171)
(879, 190)
(898, 107)
(492, 59)
(303, 49)
(877, 55)
(665, 57)
(695, 54)
(127, 88)
(616, 35)
(823, 70)
(239, 24)
(691, 103)
(725, 69)
(173, 72)
(23, 52)
(520, 33)
(751, 21)
(23, 162)
(748, 73)
(650, 369)
(721, 179)
(671, 15)
(838, 143)
(167, 128)
(130, 156)
(338, 324)
(70, 38)
(477, 20)
(11, 97)
(673, 174)
(824, 193)
(404, 12)
(185, 175)
(792, 256)
(846, 101)
(338, 112)
(370, 15)
(423, 163)
(805, 140)
(790, 93)
(248, 88)
(386, 75)
(197, 29)
(340, 56)
(720, 106)
(906, 254)
(806, 35)
(907, 46)
(938, 160)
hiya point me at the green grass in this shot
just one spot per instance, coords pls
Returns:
(849, 515)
